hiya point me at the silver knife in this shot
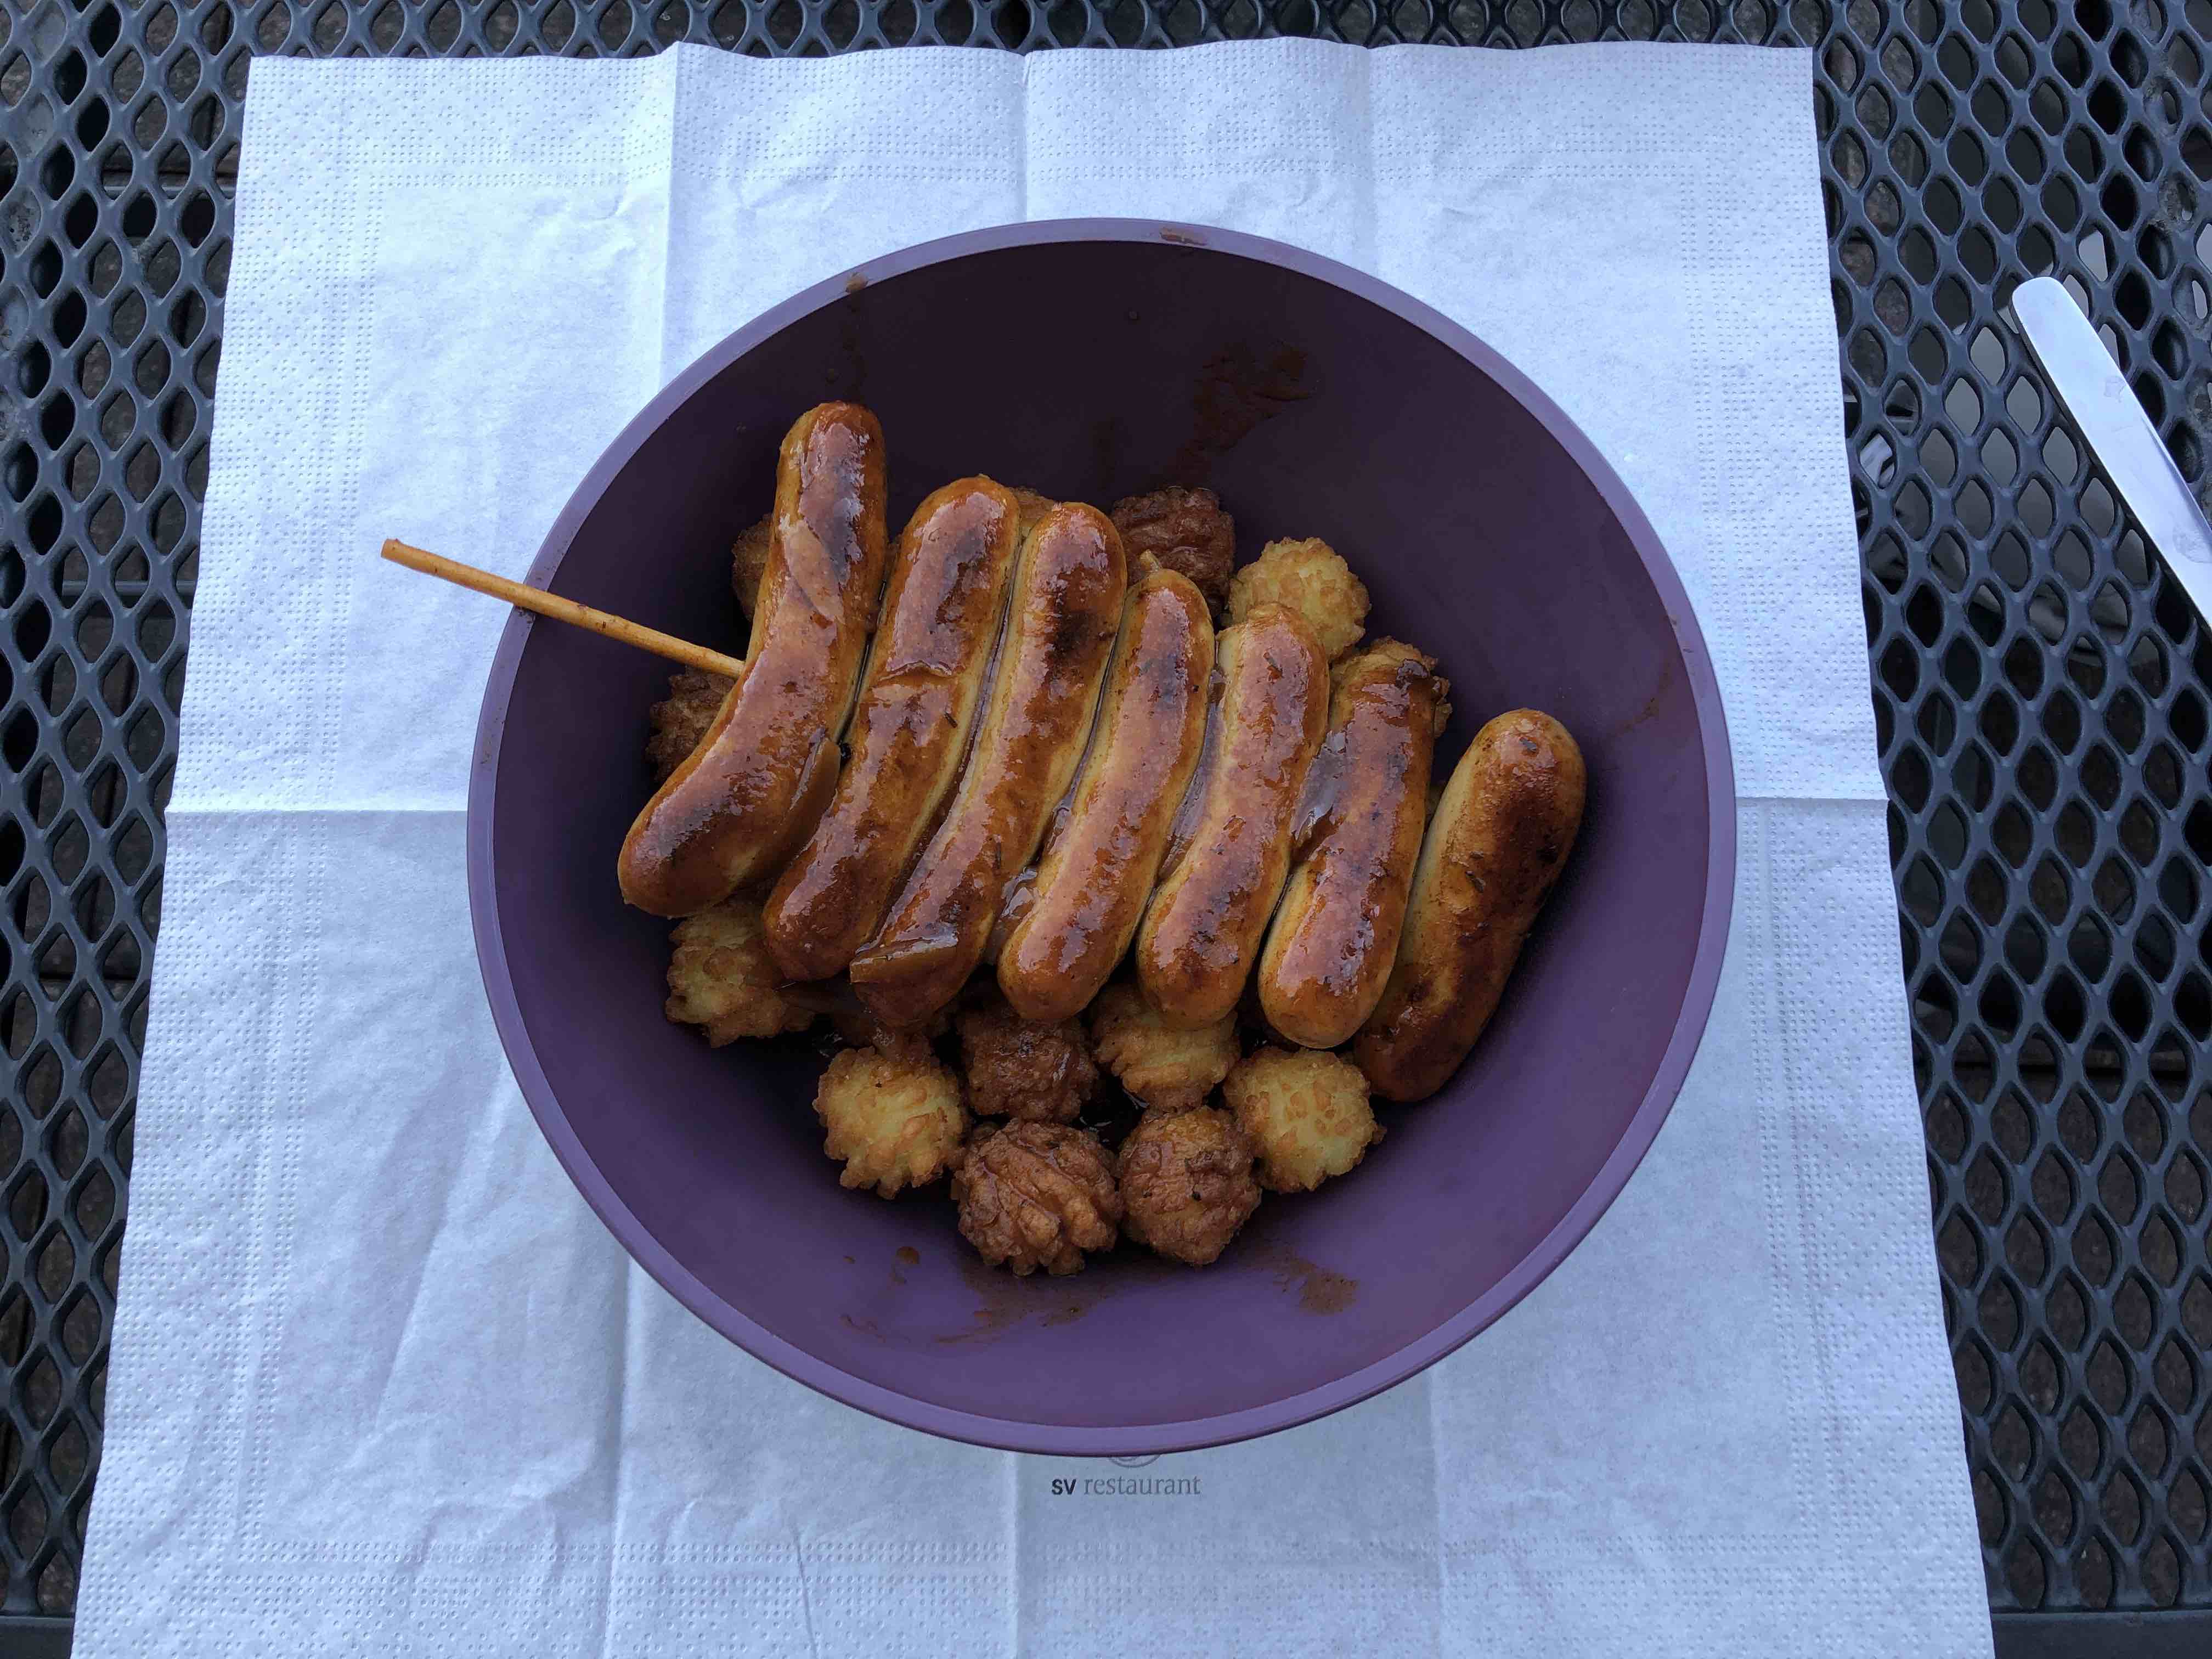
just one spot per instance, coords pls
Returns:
(2117, 432)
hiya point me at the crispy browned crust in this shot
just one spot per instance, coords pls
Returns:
(1500, 837)
(1335, 934)
(1036, 1195)
(1186, 1183)
(1099, 866)
(1024, 1069)
(1200, 937)
(729, 815)
(1185, 531)
(1061, 621)
(909, 728)
(681, 720)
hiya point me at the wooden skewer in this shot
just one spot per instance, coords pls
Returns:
(538, 600)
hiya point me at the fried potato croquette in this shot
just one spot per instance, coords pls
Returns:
(1311, 578)
(680, 720)
(894, 1121)
(1307, 1113)
(1186, 1183)
(1036, 1195)
(1181, 530)
(748, 561)
(721, 978)
(1169, 1071)
(1026, 1069)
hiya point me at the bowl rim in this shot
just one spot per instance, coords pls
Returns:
(1291, 1410)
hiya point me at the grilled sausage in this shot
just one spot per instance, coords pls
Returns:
(1066, 605)
(1098, 869)
(910, 729)
(1499, 838)
(1201, 934)
(732, 813)
(1335, 934)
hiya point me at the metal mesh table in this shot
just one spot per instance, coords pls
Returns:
(2040, 687)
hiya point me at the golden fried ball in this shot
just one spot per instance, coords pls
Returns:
(1181, 530)
(680, 720)
(1037, 1196)
(1186, 1183)
(1306, 1110)
(1309, 577)
(1026, 1069)
(1409, 660)
(1168, 1070)
(893, 1121)
(748, 561)
(722, 980)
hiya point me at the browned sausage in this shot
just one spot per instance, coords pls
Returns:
(1202, 932)
(1499, 838)
(1098, 869)
(1335, 934)
(730, 814)
(1066, 605)
(910, 729)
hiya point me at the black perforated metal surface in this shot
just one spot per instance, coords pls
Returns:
(2040, 689)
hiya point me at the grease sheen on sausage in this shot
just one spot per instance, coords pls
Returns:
(1335, 934)
(1097, 870)
(730, 813)
(1066, 607)
(909, 730)
(1201, 934)
(1499, 838)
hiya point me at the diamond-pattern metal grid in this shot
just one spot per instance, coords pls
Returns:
(2039, 685)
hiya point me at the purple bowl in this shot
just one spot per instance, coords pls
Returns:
(1090, 359)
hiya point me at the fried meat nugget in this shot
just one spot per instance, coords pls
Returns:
(1307, 1112)
(721, 979)
(893, 1121)
(749, 561)
(1026, 1069)
(1169, 1071)
(1311, 578)
(1186, 1183)
(1037, 1196)
(1178, 529)
(680, 720)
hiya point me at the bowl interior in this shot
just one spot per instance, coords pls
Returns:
(1091, 369)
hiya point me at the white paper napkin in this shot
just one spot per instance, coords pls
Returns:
(380, 1382)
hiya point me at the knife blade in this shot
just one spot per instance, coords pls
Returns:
(2091, 388)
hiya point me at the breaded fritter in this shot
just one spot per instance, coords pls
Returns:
(1037, 1196)
(680, 720)
(749, 561)
(1307, 1113)
(1169, 1071)
(1312, 581)
(721, 979)
(1186, 1183)
(1024, 1069)
(1179, 529)
(894, 1121)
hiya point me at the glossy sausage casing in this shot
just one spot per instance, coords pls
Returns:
(1098, 869)
(1335, 934)
(1069, 582)
(1202, 932)
(1499, 838)
(909, 730)
(729, 815)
